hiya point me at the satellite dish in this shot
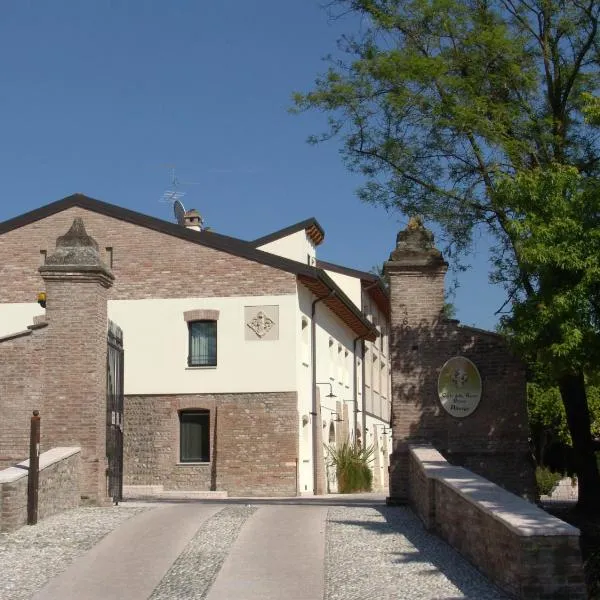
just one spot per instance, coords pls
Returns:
(179, 212)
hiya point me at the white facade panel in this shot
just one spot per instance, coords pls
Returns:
(156, 347)
(351, 286)
(16, 317)
(296, 246)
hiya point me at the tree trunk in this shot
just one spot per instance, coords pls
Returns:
(572, 391)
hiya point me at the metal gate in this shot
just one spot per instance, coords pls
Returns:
(114, 412)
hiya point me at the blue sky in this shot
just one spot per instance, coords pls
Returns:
(99, 97)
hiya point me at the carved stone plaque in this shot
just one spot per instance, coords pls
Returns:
(261, 323)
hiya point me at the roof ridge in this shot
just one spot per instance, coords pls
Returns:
(210, 239)
(311, 222)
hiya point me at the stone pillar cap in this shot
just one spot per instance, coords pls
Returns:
(76, 251)
(415, 247)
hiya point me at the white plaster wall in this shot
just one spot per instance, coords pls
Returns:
(296, 246)
(16, 317)
(341, 380)
(377, 365)
(156, 347)
(374, 437)
(304, 379)
(329, 370)
(350, 286)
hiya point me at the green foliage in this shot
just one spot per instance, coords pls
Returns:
(547, 419)
(436, 99)
(351, 462)
(546, 480)
(548, 423)
(449, 310)
(482, 116)
(556, 230)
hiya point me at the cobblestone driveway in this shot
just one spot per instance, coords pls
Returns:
(371, 551)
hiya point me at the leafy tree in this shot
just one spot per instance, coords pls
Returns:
(555, 225)
(547, 420)
(548, 423)
(440, 103)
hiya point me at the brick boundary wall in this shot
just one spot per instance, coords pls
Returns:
(21, 391)
(60, 470)
(524, 550)
(253, 443)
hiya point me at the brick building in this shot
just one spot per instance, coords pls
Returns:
(242, 358)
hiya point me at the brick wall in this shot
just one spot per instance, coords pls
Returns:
(58, 487)
(253, 443)
(146, 263)
(492, 441)
(21, 378)
(524, 550)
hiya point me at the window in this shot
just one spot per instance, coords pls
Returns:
(305, 342)
(203, 344)
(194, 436)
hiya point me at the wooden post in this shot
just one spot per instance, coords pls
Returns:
(33, 478)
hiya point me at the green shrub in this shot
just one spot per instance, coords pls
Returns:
(546, 480)
(351, 463)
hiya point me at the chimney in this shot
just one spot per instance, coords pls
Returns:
(193, 220)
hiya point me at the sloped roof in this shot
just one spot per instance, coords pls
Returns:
(312, 227)
(370, 283)
(322, 285)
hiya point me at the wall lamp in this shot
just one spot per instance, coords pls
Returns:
(333, 412)
(331, 394)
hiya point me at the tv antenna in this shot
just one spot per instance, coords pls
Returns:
(174, 195)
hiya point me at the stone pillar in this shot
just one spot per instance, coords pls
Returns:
(77, 284)
(416, 271)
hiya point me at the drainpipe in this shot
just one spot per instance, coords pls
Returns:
(364, 397)
(355, 374)
(315, 425)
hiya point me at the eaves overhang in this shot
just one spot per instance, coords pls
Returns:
(324, 288)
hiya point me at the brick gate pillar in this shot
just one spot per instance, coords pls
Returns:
(416, 272)
(77, 284)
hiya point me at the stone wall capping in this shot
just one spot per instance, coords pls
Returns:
(47, 459)
(18, 334)
(519, 515)
(77, 273)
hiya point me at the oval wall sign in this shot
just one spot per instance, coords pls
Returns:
(459, 387)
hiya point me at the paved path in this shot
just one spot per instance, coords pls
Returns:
(296, 549)
(134, 557)
(279, 554)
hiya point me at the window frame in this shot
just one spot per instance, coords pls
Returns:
(209, 363)
(205, 424)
